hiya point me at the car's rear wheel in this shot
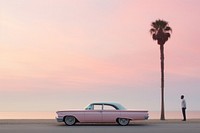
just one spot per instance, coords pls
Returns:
(70, 120)
(123, 121)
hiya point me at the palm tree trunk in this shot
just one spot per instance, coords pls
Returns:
(162, 117)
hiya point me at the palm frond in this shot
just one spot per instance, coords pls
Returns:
(152, 30)
(159, 24)
(168, 35)
(155, 25)
(154, 36)
(168, 28)
(162, 23)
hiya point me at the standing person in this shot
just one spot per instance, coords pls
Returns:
(183, 106)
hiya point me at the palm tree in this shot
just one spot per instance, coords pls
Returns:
(160, 32)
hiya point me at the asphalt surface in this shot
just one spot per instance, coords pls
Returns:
(138, 127)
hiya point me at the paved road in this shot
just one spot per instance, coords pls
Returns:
(100, 128)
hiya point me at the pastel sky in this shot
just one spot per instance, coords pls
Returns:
(65, 54)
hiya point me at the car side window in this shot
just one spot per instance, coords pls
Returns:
(97, 107)
(108, 107)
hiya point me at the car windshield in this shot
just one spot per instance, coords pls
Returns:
(89, 107)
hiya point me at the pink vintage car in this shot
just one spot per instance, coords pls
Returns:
(101, 113)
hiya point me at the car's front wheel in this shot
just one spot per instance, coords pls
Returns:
(70, 120)
(123, 121)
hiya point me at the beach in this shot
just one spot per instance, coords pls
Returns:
(51, 126)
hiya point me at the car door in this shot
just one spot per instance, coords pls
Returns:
(110, 114)
(94, 115)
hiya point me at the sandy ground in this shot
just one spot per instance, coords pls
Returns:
(51, 126)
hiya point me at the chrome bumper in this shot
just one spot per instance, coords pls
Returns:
(59, 119)
(146, 117)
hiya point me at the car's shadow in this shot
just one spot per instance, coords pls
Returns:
(103, 124)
